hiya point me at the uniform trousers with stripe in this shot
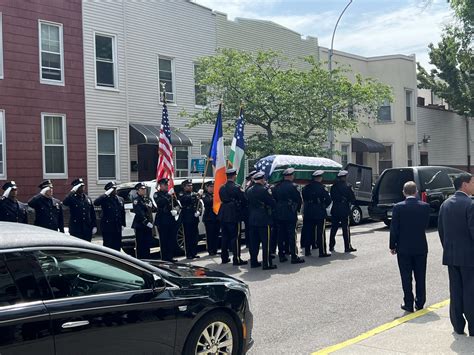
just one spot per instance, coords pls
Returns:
(287, 238)
(314, 229)
(260, 235)
(230, 240)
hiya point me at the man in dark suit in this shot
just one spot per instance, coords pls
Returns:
(408, 241)
(456, 231)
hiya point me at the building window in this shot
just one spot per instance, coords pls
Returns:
(105, 61)
(385, 159)
(409, 105)
(107, 154)
(384, 113)
(1, 47)
(51, 53)
(2, 146)
(345, 154)
(199, 90)
(166, 76)
(181, 155)
(410, 154)
(54, 145)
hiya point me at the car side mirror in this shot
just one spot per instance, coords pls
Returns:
(159, 284)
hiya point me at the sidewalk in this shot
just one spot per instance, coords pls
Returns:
(425, 332)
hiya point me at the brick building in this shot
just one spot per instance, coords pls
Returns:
(42, 109)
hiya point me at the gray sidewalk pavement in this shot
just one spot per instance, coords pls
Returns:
(430, 333)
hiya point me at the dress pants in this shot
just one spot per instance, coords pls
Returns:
(112, 240)
(230, 241)
(191, 234)
(413, 265)
(212, 236)
(143, 238)
(287, 238)
(314, 229)
(260, 235)
(344, 223)
(167, 234)
(461, 289)
(273, 238)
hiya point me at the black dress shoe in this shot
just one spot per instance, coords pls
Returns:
(283, 259)
(331, 249)
(196, 257)
(350, 250)
(212, 253)
(239, 262)
(225, 261)
(254, 265)
(406, 308)
(307, 252)
(418, 307)
(273, 256)
(269, 267)
(324, 255)
(297, 260)
(314, 247)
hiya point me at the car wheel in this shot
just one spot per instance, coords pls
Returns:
(213, 334)
(356, 215)
(387, 222)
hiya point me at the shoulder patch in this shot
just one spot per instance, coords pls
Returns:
(135, 202)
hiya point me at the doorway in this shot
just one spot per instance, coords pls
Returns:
(147, 161)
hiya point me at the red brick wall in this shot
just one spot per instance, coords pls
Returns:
(23, 98)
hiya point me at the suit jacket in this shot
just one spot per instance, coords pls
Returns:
(407, 230)
(456, 230)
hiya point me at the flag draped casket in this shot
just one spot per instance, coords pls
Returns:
(274, 165)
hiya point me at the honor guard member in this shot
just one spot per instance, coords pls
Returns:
(112, 222)
(342, 197)
(210, 219)
(316, 200)
(190, 218)
(142, 222)
(12, 210)
(288, 204)
(48, 210)
(261, 204)
(232, 199)
(245, 208)
(165, 220)
(82, 220)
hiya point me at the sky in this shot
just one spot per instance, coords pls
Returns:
(368, 27)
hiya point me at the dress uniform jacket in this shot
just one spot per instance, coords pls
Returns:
(288, 201)
(261, 204)
(232, 198)
(142, 207)
(163, 202)
(342, 197)
(113, 213)
(82, 215)
(316, 199)
(209, 215)
(189, 201)
(49, 212)
(13, 211)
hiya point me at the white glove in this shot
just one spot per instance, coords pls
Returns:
(201, 192)
(149, 225)
(94, 230)
(75, 188)
(45, 190)
(174, 213)
(171, 191)
(7, 192)
(196, 214)
(109, 191)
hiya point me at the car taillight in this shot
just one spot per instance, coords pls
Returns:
(424, 197)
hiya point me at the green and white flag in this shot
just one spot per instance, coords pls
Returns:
(237, 149)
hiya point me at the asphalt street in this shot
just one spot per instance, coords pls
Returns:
(302, 308)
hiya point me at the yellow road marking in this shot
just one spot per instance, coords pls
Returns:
(381, 328)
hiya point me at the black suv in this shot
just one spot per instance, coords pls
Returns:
(435, 184)
(61, 295)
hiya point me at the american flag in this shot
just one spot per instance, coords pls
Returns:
(266, 165)
(165, 167)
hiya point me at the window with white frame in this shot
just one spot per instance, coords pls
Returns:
(181, 159)
(54, 145)
(385, 159)
(51, 53)
(107, 154)
(199, 90)
(166, 77)
(105, 61)
(384, 114)
(409, 105)
(2, 146)
(410, 154)
(1, 47)
(345, 154)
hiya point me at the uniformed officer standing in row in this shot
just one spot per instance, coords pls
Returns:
(82, 221)
(113, 216)
(245, 210)
(190, 217)
(165, 220)
(12, 210)
(316, 200)
(342, 197)
(288, 204)
(210, 219)
(232, 198)
(261, 204)
(48, 210)
(142, 222)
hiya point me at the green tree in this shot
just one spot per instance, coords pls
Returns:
(289, 105)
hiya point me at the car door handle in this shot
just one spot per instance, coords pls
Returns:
(80, 323)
